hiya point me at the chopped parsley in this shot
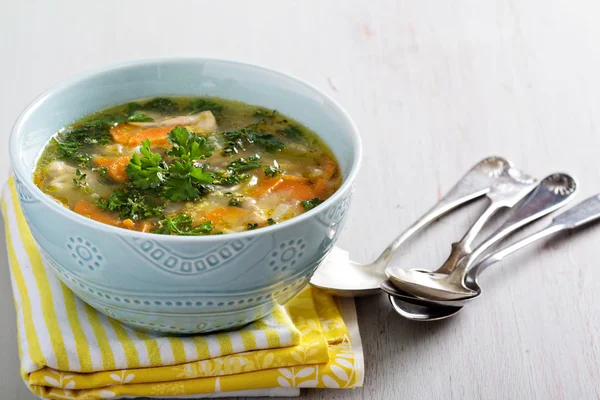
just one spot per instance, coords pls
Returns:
(132, 203)
(238, 139)
(271, 221)
(293, 131)
(273, 170)
(158, 104)
(245, 164)
(71, 145)
(252, 226)
(139, 116)
(181, 224)
(198, 105)
(310, 204)
(264, 113)
(236, 200)
(79, 179)
(226, 177)
(103, 171)
(234, 174)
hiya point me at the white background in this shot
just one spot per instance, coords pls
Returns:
(434, 87)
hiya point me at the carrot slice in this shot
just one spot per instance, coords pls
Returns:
(123, 132)
(297, 186)
(265, 186)
(294, 178)
(105, 162)
(329, 166)
(129, 224)
(295, 190)
(157, 136)
(142, 226)
(117, 167)
(118, 170)
(228, 215)
(91, 211)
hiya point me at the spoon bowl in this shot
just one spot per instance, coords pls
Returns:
(388, 287)
(422, 311)
(419, 309)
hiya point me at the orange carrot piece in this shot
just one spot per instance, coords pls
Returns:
(142, 226)
(329, 166)
(105, 162)
(265, 186)
(297, 190)
(91, 211)
(294, 178)
(283, 183)
(118, 170)
(157, 136)
(226, 215)
(117, 167)
(123, 132)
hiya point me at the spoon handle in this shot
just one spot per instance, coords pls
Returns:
(473, 184)
(552, 193)
(512, 185)
(579, 215)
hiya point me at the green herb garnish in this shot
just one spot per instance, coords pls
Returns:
(293, 131)
(273, 170)
(198, 105)
(79, 179)
(71, 144)
(264, 114)
(245, 164)
(236, 200)
(234, 174)
(147, 169)
(187, 145)
(179, 178)
(238, 139)
(132, 203)
(310, 204)
(181, 224)
(139, 116)
(161, 105)
(271, 221)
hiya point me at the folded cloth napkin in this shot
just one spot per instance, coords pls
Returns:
(68, 350)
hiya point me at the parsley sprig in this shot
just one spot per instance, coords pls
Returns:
(178, 178)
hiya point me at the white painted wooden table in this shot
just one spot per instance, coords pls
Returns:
(434, 86)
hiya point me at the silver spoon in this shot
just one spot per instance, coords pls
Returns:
(511, 187)
(423, 310)
(354, 279)
(552, 193)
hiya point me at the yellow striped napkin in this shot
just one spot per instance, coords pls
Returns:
(68, 350)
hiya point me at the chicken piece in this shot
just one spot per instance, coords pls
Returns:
(203, 122)
(59, 168)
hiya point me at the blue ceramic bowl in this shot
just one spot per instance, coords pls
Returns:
(182, 284)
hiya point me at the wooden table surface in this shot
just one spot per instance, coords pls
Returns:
(434, 87)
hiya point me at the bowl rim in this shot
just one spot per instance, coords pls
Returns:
(26, 178)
